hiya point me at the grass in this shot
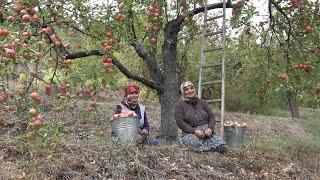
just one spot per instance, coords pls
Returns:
(309, 120)
(85, 154)
(285, 144)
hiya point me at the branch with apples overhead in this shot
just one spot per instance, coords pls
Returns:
(171, 31)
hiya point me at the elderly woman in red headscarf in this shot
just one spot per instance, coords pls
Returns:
(130, 102)
(195, 118)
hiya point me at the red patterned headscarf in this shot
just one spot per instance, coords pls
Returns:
(131, 88)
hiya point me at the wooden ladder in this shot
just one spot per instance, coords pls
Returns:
(212, 64)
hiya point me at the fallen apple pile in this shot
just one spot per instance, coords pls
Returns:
(123, 114)
(235, 124)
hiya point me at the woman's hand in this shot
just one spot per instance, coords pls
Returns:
(144, 132)
(208, 132)
(200, 134)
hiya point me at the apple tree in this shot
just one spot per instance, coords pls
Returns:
(290, 36)
(38, 36)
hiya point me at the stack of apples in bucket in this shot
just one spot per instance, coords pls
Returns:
(235, 124)
(123, 114)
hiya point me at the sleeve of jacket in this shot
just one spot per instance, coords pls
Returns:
(118, 109)
(211, 119)
(179, 117)
(146, 122)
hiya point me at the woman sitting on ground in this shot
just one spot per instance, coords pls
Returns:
(195, 118)
(130, 102)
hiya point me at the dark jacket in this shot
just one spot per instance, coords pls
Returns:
(191, 114)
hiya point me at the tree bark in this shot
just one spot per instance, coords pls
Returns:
(293, 104)
(170, 95)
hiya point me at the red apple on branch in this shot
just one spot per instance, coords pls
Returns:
(2, 96)
(39, 54)
(26, 18)
(10, 19)
(107, 60)
(35, 97)
(7, 46)
(120, 17)
(153, 40)
(108, 47)
(23, 11)
(152, 8)
(240, 3)
(38, 121)
(48, 89)
(26, 33)
(109, 34)
(10, 53)
(184, 15)
(4, 32)
(32, 111)
(35, 18)
(17, 8)
(46, 30)
(156, 27)
(313, 51)
(308, 27)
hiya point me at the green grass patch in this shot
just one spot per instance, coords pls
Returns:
(310, 118)
(293, 145)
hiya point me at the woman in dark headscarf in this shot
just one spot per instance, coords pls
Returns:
(195, 118)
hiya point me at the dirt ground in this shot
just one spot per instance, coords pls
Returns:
(89, 152)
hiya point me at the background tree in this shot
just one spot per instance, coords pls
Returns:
(290, 37)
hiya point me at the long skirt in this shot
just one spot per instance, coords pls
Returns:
(148, 141)
(201, 145)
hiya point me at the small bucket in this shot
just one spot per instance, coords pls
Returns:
(234, 135)
(126, 129)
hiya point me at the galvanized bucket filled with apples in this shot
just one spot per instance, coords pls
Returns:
(125, 126)
(234, 133)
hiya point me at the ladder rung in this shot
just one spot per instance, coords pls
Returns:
(211, 82)
(213, 49)
(215, 17)
(211, 65)
(213, 100)
(214, 33)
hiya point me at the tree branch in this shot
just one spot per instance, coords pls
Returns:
(285, 16)
(150, 59)
(119, 65)
(134, 76)
(210, 6)
(132, 24)
(288, 33)
(82, 54)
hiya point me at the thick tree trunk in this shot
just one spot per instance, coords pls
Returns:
(170, 87)
(170, 96)
(293, 104)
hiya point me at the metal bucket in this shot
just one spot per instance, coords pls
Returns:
(126, 129)
(234, 135)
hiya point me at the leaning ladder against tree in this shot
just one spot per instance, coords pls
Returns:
(211, 64)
